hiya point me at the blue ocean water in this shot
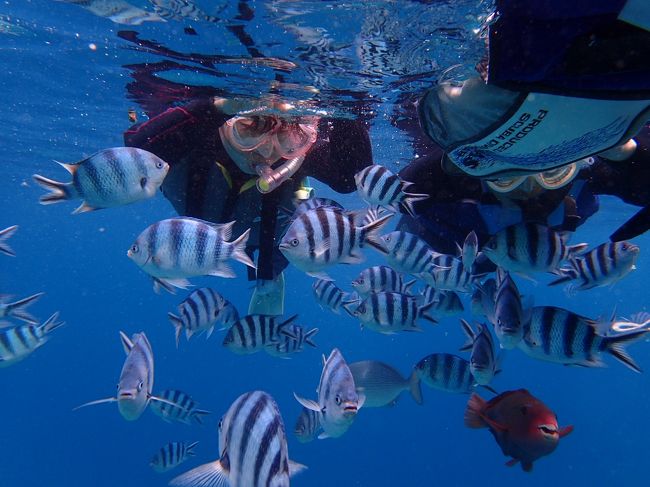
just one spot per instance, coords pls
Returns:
(63, 93)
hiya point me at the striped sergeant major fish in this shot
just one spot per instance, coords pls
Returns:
(380, 278)
(117, 11)
(288, 345)
(178, 406)
(338, 400)
(529, 247)
(307, 425)
(200, 311)
(313, 203)
(390, 312)
(446, 372)
(181, 10)
(326, 236)
(253, 333)
(483, 362)
(606, 264)
(382, 385)
(379, 186)
(469, 251)
(449, 274)
(507, 312)
(16, 309)
(108, 178)
(172, 455)
(253, 446)
(409, 254)
(328, 295)
(172, 250)
(4, 236)
(560, 336)
(443, 303)
(18, 342)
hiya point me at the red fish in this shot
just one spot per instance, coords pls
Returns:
(524, 427)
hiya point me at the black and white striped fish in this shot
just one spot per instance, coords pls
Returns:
(253, 333)
(483, 362)
(328, 295)
(307, 425)
(380, 278)
(338, 400)
(172, 455)
(178, 406)
(469, 251)
(4, 235)
(443, 303)
(604, 265)
(506, 312)
(312, 204)
(326, 236)
(172, 250)
(16, 309)
(181, 10)
(109, 178)
(390, 312)
(449, 274)
(560, 336)
(253, 446)
(117, 11)
(288, 345)
(379, 186)
(20, 341)
(408, 253)
(529, 247)
(446, 372)
(200, 311)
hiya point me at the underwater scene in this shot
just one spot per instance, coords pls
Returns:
(324, 243)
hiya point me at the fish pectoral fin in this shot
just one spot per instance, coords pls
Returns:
(166, 401)
(223, 270)
(98, 401)
(211, 474)
(321, 248)
(361, 401)
(565, 431)
(323, 436)
(493, 424)
(126, 342)
(308, 403)
(169, 285)
(320, 275)
(295, 467)
(512, 462)
(84, 208)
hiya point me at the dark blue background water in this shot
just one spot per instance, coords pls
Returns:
(62, 100)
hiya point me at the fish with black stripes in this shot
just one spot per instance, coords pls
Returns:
(313, 203)
(469, 251)
(379, 186)
(389, 313)
(446, 372)
(172, 250)
(252, 445)
(329, 295)
(381, 278)
(338, 400)
(172, 455)
(178, 406)
(382, 385)
(483, 363)
(409, 254)
(288, 345)
(16, 309)
(507, 313)
(307, 425)
(5, 234)
(18, 342)
(108, 178)
(254, 333)
(443, 303)
(449, 274)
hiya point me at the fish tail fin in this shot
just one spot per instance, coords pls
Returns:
(309, 335)
(415, 388)
(197, 415)
(190, 448)
(211, 474)
(4, 235)
(469, 332)
(17, 309)
(51, 324)
(474, 412)
(58, 191)
(406, 204)
(370, 233)
(566, 276)
(616, 347)
(178, 326)
(423, 312)
(239, 249)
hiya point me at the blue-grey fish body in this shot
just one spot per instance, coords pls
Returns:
(292, 341)
(560, 336)
(443, 303)
(469, 251)
(253, 448)
(313, 203)
(446, 372)
(380, 278)
(18, 342)
(172, 250)
(134, 389)
(529, 247)
(381, 384)
(108, 178)
(508, 315)
(449, 274)
(408, 253)
(172, 455)
(483, 362)
(254, 333)
(391, 312)
(177, 406)
(602, 266)
(183, 10)
(379, 186)
(329, 295)
(307, 425)
(4, 235)
(118, 11)
(16, 309)
(483, 297)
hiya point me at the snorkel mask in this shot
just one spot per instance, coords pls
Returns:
(269, 146)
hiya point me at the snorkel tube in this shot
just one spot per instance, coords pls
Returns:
(270, 179)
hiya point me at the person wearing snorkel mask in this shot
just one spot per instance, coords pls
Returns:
(244, 160)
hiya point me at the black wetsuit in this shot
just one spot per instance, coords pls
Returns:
(188, 139)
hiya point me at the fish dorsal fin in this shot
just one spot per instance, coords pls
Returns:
(71, 168)
(126, 342)
(213, 474)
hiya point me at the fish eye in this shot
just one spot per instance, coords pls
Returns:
(338, 400)
(220, 424)
(387, 238)
(294, 242)
(159, 165)
(143, 182)
(135, 249)
(140, 385)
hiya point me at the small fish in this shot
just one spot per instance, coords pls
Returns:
(108, 178)
(17, 310)
(446, 372)
(469, 252)
(560, 336)
(253, 446)
(18, 342)
(117, 11)
(178, 406)
(172, 455)
(449, 274)
(507, 313)
(523, 426)
(307, 425)
(381, 384)
(482, 362)
(529, 247)
(200, 311)
(380, 278)
(288, 345)
(254, 333)
(408, 253)
(483, 297)
(174, 249)
(4, 235)
(390, 312)
(443, 303)
(606, 264)
(326, 236)
(338, 400)
(379, 186)
(328, 295)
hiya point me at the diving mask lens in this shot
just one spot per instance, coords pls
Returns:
(295, 139)
(506, 185)
(249, 133)
(557, 178)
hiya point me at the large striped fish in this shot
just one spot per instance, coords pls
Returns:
(507, 312)
(469, 251)
(379, 186)
(108, 178)
(446, 372)
(450, 274)
(560, 336)
(529, 247)
(483, 362)
(16, 309)
(288, 345)
(253, 446)
(380, 278)
(382, 385)
(443, 303)
(325, 236)
(172, 455)
(338, 400)
(172, 250)
(410, 254)
(18, 342)
(178, 406)
(4, 235)
(254, 333)
(312, 204)
(390, 312)
(328, 295)
(307, 425)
